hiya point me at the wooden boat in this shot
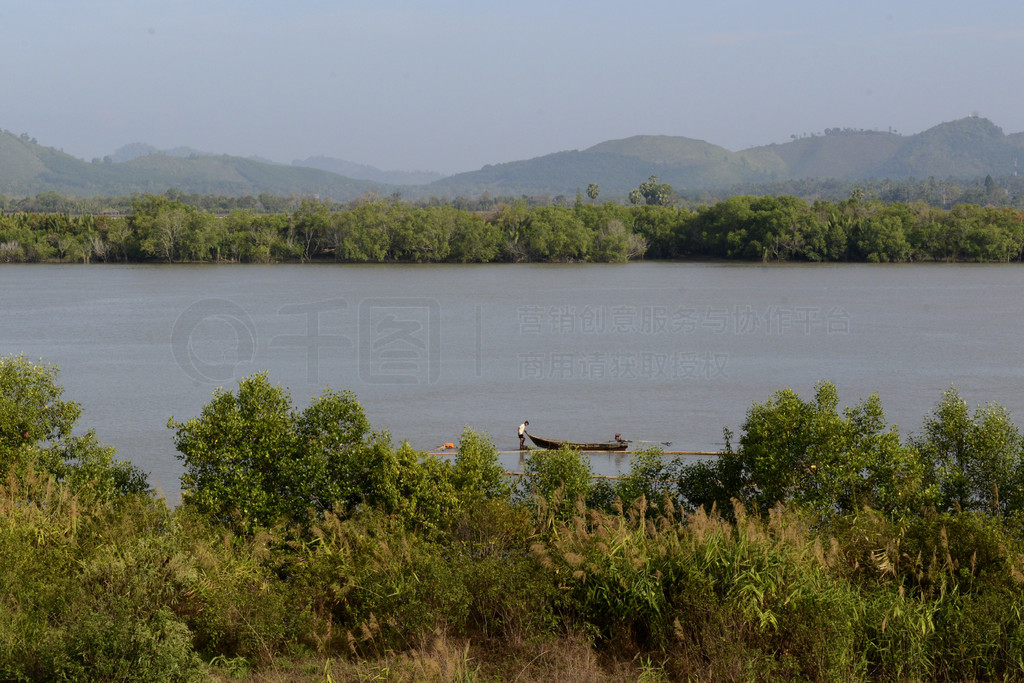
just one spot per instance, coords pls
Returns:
(617, 445)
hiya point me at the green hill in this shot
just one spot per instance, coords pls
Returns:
(19, 164)
(968, 148)
(27, 168)
(616, 166)
(663, 149)
(845, 155)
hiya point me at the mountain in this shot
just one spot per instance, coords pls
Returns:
(967, 148)
(131, 151)
(27, 168)
(140, 149)
(351, 169)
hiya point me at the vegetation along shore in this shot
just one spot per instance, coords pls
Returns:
(172, 228)
(821, 544)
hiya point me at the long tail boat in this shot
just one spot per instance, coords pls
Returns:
(617, 445)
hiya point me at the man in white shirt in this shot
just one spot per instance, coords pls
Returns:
(522, 435)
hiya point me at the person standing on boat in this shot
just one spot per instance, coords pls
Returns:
(522, 435)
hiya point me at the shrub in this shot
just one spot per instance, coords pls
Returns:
(648, 477)
(253, 454)
(478, 474)
(806, 452)
(236, 594)
(512, 596)
(86, 589)
(556, 480)
(973, 462)
(376, 585)
(36, 432)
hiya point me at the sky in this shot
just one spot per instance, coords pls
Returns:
(452, 85)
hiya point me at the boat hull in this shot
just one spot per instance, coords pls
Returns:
(552, 444)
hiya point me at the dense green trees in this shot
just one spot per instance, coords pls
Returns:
(252, 458)
(765, 228)
(807, 452)
(836, 463)
(972, 462)
(785, 228)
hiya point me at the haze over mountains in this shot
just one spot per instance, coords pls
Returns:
(967, 148)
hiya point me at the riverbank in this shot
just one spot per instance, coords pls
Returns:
(160, 228)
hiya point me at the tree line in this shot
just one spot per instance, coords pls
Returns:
(944, 193)
(161, 228)
(821, 545)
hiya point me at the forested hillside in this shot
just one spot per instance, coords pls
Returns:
(28, 168)
(969, 148)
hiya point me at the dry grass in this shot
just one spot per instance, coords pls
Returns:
(451, 660)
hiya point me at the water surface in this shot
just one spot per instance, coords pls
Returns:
(658, 352)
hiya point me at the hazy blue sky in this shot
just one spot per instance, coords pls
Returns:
(456, 84)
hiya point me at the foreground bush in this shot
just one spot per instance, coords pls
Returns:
(837, 463)
(87, 590)
(440, 570)
(36, 433)
(140, 591)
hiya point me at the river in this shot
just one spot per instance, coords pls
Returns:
(659, 352)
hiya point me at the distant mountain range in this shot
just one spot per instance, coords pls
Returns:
(348, 169)
(971, 147)
(363, 172)
(967, 148)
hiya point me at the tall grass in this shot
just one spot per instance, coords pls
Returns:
(531, 589)
(87, 591)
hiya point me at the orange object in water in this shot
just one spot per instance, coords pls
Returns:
(449, 445)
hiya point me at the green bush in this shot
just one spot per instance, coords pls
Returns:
(478, 473)
(253, 455)
(87, 590)
(972, 462)
(236, 595)
(512, 596)
(36, 433)
(558, 480)
(252, 460)
(375, 585)
(806, 452)
(649, 476)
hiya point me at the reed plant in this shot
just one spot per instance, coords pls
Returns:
(86, 590)
(441, 571)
